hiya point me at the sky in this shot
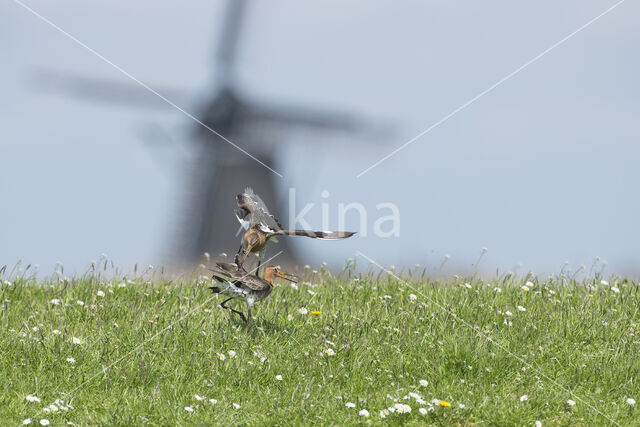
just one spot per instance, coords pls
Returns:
(542, 169)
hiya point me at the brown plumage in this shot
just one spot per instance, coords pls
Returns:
(236, 282)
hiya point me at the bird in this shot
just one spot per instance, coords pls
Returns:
(234, 281)
(261, 226)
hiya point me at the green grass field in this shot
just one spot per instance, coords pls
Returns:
(146, 350)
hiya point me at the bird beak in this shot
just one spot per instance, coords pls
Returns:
(285, 276)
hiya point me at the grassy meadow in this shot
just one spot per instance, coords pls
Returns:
(365, 348)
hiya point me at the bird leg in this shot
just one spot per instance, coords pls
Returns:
(258, 268)
(235, 311)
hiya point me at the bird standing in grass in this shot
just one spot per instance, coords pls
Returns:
(260, 226)
(236, 282)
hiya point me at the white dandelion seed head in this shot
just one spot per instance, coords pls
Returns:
(363, 413)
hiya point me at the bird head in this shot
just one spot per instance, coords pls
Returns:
(273, 271)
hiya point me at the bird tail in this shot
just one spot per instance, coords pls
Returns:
(215, 289)
(326, 235)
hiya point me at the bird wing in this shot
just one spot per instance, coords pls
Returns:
(241, 278)
(259, 213)
(325, 235)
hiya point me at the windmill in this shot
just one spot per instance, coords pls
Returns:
(222, 170)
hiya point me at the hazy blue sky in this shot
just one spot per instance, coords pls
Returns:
(541, 170)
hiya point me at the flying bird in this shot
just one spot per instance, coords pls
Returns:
(261, 226)
(236, 282)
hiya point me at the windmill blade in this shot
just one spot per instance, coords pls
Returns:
(233, 19)
(110, 91)
(319, 119)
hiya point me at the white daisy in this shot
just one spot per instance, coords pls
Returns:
(521, 308)
(290, 317)
(363, 413)
(56, 332)
(616, 290)
(213, 401)
(468, 286)
(524, 398)
(302, 310)
(330, 352)
(604, 283)
(221, 356)
(630, 401)
(55, 301)
(188, 408)
(412, 297)
(279, 377)
(26, 421)
(100, 294)
(71, 360)
(236, 406)
(538, 423)
(31, 398)
(424, 383)
(350, 405)
(508, 313)
(498, 290)
(571, 402)
(423, 411)
(231, 353)
(198, 397)
(44, 422)
(76, 340)
(80, 303)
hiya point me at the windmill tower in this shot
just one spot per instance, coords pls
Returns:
(222, 170)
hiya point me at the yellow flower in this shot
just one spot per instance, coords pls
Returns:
(316, 313)
(444, 403)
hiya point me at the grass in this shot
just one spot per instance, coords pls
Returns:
(149, 345)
